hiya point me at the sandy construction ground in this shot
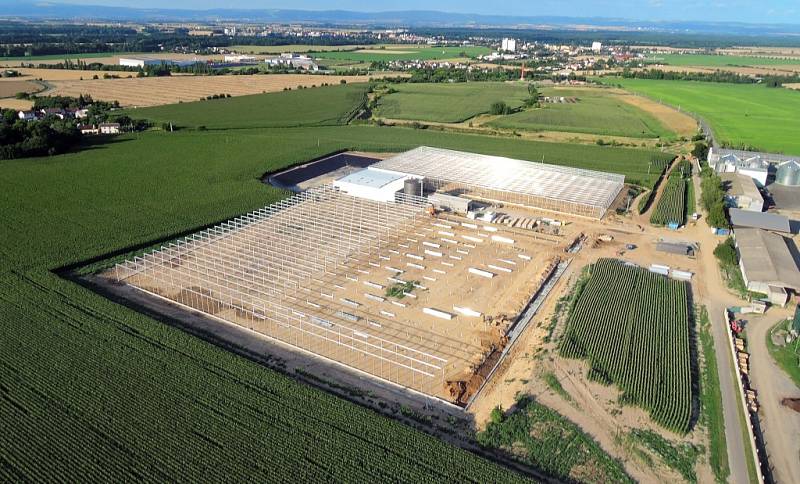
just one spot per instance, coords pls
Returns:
(154, 91)
(331, 308)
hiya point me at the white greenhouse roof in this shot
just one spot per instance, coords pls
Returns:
(565, 184)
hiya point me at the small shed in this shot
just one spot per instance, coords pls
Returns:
(450, 202)
(688, 249)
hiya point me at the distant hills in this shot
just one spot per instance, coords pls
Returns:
(404, 18)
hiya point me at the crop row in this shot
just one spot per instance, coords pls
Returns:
(633, 327)
(671, 207)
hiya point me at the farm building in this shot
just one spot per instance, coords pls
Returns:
(767, 264)
(755, 165)
(537, 185)
(141, 62)
(742, 192)
(759, 220)
(109, 128)
(373, 184)
(451, 203)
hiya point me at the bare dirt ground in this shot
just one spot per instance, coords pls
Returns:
(154, 91)
(781, 425)
(9, 87)
(794, 85)
(681, 123)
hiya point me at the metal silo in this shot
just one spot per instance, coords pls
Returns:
(788, 173)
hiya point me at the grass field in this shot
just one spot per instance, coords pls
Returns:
(740, 114)
(278, 49)
(788, 356)
(448, 103)
(596, 112)
(411, 53)
(706, 60)
(317, 106)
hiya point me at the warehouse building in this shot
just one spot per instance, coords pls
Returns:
(376, 185)
(742, 193)
(497, 179)
(755, 165)
(759, 220)
(767, 264)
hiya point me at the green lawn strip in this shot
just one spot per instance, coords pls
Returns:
(593, 112)
(447, 103)
(681, 457)
(553, 384)
(742, 115)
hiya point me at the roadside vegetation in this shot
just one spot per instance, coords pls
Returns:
(711, 399)
(544, 439)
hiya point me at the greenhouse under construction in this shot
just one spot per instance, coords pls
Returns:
(556, 188)
(387, 286)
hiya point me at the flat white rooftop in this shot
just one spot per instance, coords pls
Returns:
(371, 178)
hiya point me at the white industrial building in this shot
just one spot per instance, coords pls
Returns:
(509, 45)
(750, 163)
(141, 62)
(239, 58)
(742, 192)
(560, 189)
(373, 184)
(597, 46)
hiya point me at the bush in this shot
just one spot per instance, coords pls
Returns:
(499, 107)
(726, 253)
(497, 415)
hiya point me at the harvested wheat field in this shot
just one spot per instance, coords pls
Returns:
(155, 91)
(8, 87)
(67, 74)
(17, 104)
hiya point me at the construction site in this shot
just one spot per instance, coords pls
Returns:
(419, 270)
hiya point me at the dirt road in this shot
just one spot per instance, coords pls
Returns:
(781, 425)
(713, 293)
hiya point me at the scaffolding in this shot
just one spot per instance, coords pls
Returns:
(561, 189)
(276, 270)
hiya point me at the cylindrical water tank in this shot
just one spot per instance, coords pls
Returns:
(412, 186)
(788, 173)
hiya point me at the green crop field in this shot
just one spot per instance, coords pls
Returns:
(595, 112)
(279, 49)
(633, 327)
(707, 60)
(316, 106)
(145, 401)
(410, 53)
(740, 114)
(448, 103)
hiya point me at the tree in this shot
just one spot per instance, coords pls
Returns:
(700, 150)
(726, 253)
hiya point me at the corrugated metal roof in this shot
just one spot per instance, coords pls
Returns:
(742, 185)
(759, 220)
(766, 257)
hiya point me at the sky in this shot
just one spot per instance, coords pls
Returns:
(750, 11)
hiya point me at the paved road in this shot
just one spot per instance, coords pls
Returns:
(781, 426)
(712, 293)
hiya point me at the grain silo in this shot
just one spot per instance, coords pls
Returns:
(788, 173)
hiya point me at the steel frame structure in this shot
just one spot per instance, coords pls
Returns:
(568, 190)
(266, 270)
